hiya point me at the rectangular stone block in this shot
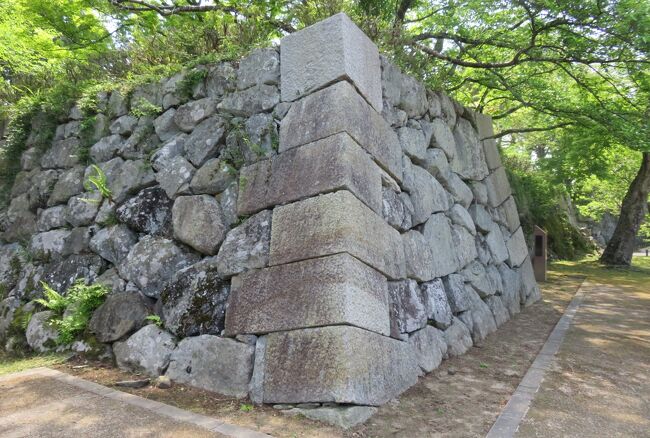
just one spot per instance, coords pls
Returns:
(339, 108)
(331, 224)
(326, 165)
(509, 210)
(328, 51)
(517, 248)
(339, 364)
(498, 187)
(485, 131)
(332, 290)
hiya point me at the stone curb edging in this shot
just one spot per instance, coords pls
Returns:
(514, 412)
(172, 412)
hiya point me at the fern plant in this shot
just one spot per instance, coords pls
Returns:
(52, 300)
(155, 319)
(97, 182)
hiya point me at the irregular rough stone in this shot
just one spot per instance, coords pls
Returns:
(469, 161)
(429, 346)
(20, 221)
(12, 260)
(498, 187)
(339, 108)
(118, 105)
(509, 209)
(425, 191)
(256, 386)
(106, 148)
(79, 240)
(82, 209)
(205, 141)
(246, 246)
(476, 275)
(213, 177)
(344, 417)
(165, 125)
(436, 304)
(481, 218)
(220, 80)
(397, 209)
(262, 131)
(194, 301)
(419, 256)
(172, 148)
(337, 222)
(61, 274)
(149, 212)
(30, 159)
(510, 297)
(261, 66)
(498, 310)
(62, 154)
(253, 100)
(485, 131)
(228, 201)
(189, 115)
(457, 295)
(436, 164)
(402, 91)
(443, 138)
(413, 143)
(175, 178)
(123, 125)
(529, 292)
(148, 351)
(480, 192)
(335, 364)
(330, 50)
(48, 245)
(495, 278)
(42, 184)
(113, 243)
(111, 279)
(70, 183)
(198, 222)
(517, 248)
(41, 337)
(459, 190)
(437, 231)
(152, 262)
(479, 318)
(460, 216)
(496, 244)
(8, 307)
(51, 218)
(408, 311)
(212, 363)
(458, 337)
(125, 178)
(326, 291)
(333, 163)
(121, 314)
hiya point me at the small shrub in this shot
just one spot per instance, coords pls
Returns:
(97, 182)
(246, 407)
(185, 87)
(143, 108)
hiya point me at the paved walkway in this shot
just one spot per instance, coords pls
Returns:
(47, 403)
(598, 383)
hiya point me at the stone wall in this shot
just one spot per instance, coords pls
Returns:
(328, 240)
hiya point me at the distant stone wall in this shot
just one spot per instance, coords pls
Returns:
(327, 240)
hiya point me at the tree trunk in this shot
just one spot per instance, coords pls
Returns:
(621, 246)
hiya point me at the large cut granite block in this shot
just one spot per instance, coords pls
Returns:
(334, 223)
(498, 187)
(339, 108)
(517, 248)
(339, 364)
(326, 165)
(485, 133)
(331, 50)
(332, 290)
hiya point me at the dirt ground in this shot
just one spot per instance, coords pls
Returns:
(462, 398)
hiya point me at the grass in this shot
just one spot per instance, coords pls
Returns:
(11, 364)
(637, 276)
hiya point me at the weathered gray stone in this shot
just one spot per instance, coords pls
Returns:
(106, 148)
(457, 295)
(517, 248)
(328, 51)
(42, 184)
(151, 93)
(8, 307)
(165, 125)
(337, 222)
(152, 262)
(192, 113)
(246, 246)
(499, 311)
(458, 337)
(469, 161)
(437, 231)
(194, 301)
(205, 141)
(435, 109)
(28, 286)
(12, 260)
(496, 244)
(436, 304)
(419, 256)
(261, 66)
(53, 217)
(30, 159)
(495, 278)
(402, 91)
(118, 105)
(460, 216)
(148, 351)
(198, 222)
(149, 212)
(113, 243)
(427, 195)
(477, 276)
(344, 417)
(529, 292)
(212, 363)
(79, 240)
(408, 311)
(509, 209)
(47, 245)
(70, 183)
(61, 274)
(479, 318)
(332, 290)
(429, 346)
(175, 178)
(253, 100)
(121, 314)
(333, 163)
(335, 364)
(41, 337)
(443, 138)
(20, 221)
(339, 108)
(459, 190)
(481, 218)
(498, 187)
(397, 209)
(485, 131)
(125, 178)
(62, 154)
(393, 116)
(262, 132)
(172, 148)
(82, 209)
(413, 143)
(511, 286)
(228, 201)
(447, 109)
(221, 79)
(123, 125)
(256, 386)
(111, 279)
(436, 164)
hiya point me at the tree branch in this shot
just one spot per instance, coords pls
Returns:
(523, 130)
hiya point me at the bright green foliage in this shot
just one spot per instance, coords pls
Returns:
(72, 311)
(143, 108)
(97, 182)
(185, 87)
(155, 319)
